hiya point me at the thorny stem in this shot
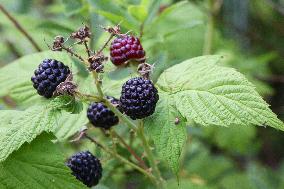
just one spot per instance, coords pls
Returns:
(75, 54)
(20, 28)
(130, 150)
(141, 29)
(150, 155)
(119, 157)
(106, 43)
(98, 84)
(87, 48)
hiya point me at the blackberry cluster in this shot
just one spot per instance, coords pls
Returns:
(138, 98)
(49, 74)
(86, 168)
(101, 116)
(125, 48)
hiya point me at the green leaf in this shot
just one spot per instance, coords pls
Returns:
(138, 11)
(169, 138)
(116, 19)
(213, 95)
(68, 103)
(69, 124)
(72, 6)
(37, 165)
(24, 126)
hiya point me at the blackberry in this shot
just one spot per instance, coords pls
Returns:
(101, 116)
(86, 168)
(138, 98)
(126, 47)
(49, 74)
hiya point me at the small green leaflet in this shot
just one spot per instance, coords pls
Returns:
(37, 165)
(201, 91)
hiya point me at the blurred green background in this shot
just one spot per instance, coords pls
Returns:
(248, 33)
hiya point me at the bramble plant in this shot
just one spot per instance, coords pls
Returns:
(70, 92)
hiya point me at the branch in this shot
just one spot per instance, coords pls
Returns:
(130, 150)
(119, 157)
(106, 43)
(20, 28)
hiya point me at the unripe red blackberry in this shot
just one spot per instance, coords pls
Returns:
(125, 48)
(101, 116)
(86, 168)
(49, 74)
(138, 98)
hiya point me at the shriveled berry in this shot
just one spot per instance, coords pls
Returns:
(86, 168)
(49, 74)
(125, 48)
(138, 98)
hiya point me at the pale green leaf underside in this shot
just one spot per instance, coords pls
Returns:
(213, 95)
(37, 165)
(168, 137)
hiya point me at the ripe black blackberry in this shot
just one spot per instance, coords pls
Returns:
(86, 168)
(126, 47)
(49, 74)
(138, 98)
(101, 116)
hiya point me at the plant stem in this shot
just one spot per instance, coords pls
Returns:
(87, 48)
(209, 34)
(98, 84)
(104, 46)
(130, 150)
(20, 28)
(87, 97)
(150, 156)
(129, 123)
(113, 140)
(119, 157)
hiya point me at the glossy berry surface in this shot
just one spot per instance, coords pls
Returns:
(125, 48)
(86, 168)
(49, 74)
(101, 116)
(138, 98)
